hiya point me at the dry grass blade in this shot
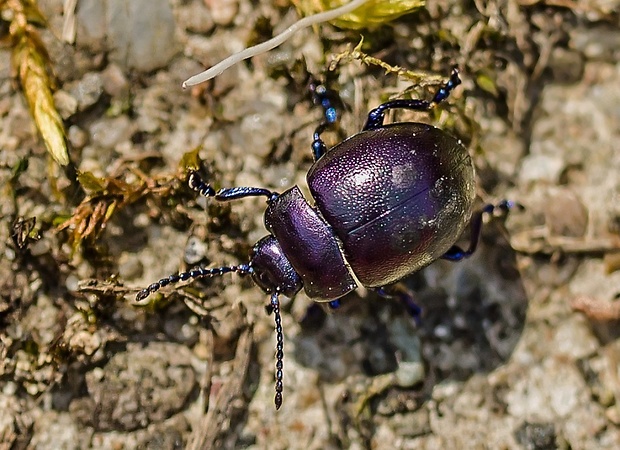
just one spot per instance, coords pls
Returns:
(31, 63)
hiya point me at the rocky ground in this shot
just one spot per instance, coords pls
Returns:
(517, 347)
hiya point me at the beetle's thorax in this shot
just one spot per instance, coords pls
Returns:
(310, 245)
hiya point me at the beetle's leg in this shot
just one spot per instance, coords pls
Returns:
(399, 292)
(455, 253)
(324, 97)
(197, 272)
(335, 304)
(316, 312)
(227, 194)
(274, 307)
(376, 116)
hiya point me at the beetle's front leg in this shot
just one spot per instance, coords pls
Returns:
(227, 194)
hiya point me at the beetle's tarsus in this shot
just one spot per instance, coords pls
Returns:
(377, 115)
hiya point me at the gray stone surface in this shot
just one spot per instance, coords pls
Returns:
(140, 386)
(139, 34)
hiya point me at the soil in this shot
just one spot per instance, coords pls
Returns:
(517, 347)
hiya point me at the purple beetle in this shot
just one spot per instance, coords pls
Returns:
(388, 201)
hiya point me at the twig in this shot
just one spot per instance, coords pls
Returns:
(217, 420)
(538, 241)
(597, 309)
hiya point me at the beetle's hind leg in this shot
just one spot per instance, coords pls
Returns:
(456, 253)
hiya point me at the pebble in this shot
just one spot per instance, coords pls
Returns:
(565, 213)
(66, 104)
(137, 35)
(77, 137)
(223, 11)
(86, 91)
(196, 17)
(195, 250)
(129, 266)
(114, 81)
(108, 132)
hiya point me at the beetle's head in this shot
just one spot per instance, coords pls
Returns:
(271, 270)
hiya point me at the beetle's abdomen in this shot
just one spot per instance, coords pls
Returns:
(310, 245)
(398, 198)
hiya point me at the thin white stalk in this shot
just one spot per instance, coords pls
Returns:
(273, 42)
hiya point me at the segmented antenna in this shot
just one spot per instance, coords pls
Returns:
(274, 306)
(195, 183)
(204, 189)
(198, 272)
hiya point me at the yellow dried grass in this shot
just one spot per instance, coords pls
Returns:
(31, 65)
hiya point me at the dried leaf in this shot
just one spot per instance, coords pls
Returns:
(91, 183)
(191, 160)
(107, 195)
(372, 14)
